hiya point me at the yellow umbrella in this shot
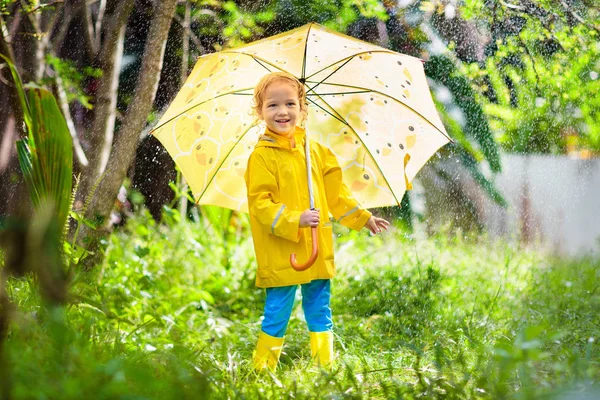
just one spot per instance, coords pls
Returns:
(371, 106)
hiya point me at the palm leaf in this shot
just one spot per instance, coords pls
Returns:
(442, 69)
(46, 153)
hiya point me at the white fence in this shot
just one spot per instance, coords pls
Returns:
(554, 201)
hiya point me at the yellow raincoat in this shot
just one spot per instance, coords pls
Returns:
(277, 195)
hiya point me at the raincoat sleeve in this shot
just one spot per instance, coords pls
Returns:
(342, 205)
(263, 190)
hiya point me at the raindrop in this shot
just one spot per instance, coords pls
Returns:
(198, 147)
(385, 101)
(401, 146)
(389, 145)
(399, 62)
(408, 82)
(210, 161)
(411, 128)
(377, 151)
(199, 117)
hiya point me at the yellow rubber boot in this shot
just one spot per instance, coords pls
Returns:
(268, 350)
(321, 348)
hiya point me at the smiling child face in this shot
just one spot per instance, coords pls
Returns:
(281, 107)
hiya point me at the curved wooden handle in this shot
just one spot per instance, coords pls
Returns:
(313, 255)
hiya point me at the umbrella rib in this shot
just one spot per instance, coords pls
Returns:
(351, 57)
(261, 64)
(327, 111)
(199, 104)
(343, 120)
(225, 159)
(336, 70)
(256, 58)
(305, 51)
(393, 98)
(337, 93)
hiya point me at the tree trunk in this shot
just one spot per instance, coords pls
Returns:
(185, 57)
(123, 150)
(101, 135)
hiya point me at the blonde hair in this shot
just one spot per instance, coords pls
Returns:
(265, 81)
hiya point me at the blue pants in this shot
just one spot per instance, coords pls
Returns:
(315, 303)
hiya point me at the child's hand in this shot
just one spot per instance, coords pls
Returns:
(309, 218)
(376, 225)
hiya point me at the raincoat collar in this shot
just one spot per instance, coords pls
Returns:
(271, 139)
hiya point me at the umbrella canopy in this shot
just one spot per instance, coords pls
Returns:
(371, 106)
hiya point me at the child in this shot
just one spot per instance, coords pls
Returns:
(278, 201)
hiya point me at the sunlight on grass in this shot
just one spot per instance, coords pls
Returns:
(175, 314)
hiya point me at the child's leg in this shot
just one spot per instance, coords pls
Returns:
(278, 308)
(315, 302)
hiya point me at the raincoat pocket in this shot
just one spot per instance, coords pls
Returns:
(279, 250)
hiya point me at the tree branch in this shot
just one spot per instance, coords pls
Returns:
(193, 36)
(99, 19)
(5, 44)
(88, 25)
(138, 110)
(41, 6)
(64, 106)
(577, 17)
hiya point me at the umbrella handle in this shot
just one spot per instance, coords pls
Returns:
(313, 255)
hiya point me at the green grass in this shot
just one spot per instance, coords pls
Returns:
(173, 313)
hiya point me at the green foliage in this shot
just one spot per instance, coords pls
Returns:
(416, 319)
(540, 81)
(442, 69)
(46, 153)
(72, 78)
(4, 4)
(244, 22)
